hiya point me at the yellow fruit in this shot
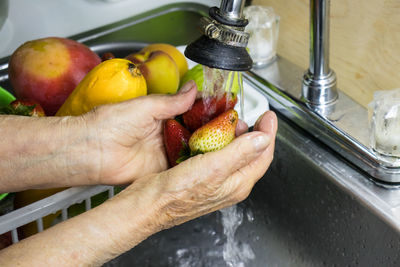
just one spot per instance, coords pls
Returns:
(159, 70)
(112, 81)
(173, 52)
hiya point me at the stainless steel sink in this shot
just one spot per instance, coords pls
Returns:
(312, 207)
(299, 216)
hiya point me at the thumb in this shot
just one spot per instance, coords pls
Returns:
(219, 165)
(167, 106)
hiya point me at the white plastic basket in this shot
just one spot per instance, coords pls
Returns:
(60, 201)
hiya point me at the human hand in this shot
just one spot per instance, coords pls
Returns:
(216, 180)
(113, 144)
(197, 186)
(206, 182)
(127, 138)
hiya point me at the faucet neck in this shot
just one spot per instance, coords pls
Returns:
(230, 14)
(319, 82)
(319, 37)
(232, 9)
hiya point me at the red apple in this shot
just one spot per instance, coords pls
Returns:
(47, 70)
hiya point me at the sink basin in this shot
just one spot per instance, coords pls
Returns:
(296, 215)
(311, 208)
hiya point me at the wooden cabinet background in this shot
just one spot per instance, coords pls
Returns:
(364, 42)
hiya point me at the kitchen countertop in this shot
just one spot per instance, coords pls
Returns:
(28, 20)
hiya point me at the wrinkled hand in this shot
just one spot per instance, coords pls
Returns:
(128, 137)
(197, 186)
(216, 180)
(207, 182)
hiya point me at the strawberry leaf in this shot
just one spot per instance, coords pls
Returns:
(184, 154)
(179, 119)
(7, 110)
(182, 159)
(195, 153)
(19, 110)
(24, 110)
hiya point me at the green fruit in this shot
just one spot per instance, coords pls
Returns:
(5, 97)
(235, 84)
(197, 75)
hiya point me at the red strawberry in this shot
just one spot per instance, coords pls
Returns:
(23, 108)
(225, 103)
(206, 109)
(215, 134)
(176, 141)
(107, 56)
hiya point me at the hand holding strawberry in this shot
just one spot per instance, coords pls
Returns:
(212, 120)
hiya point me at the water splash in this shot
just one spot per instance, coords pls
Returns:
(188, 257)
(235, 254)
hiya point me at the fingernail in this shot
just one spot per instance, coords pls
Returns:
(261, 142)
(187, 86)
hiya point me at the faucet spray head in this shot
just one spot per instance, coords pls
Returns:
(223, 43)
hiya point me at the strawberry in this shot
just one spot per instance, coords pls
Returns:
(176, 141)
(107, 56)
(225, 103)
(215, 134)
(206, 109)
(23, 108)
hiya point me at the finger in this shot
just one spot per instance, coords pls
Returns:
(241, 128)
(238, 154)
(268, 124)
(167, 106)
(219, 165)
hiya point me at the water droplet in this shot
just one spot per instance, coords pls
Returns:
(212, 232)
(250, 215)
(218, 241)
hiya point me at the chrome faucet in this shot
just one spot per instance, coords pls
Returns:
(319, 82)
(309, 99)
(223, 43)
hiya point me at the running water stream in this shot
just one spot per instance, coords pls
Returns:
(220, 83)
(235, 254)
(216, 83)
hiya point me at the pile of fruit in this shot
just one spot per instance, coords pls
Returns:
(211, 122)
(59, 76)
(65, 77)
